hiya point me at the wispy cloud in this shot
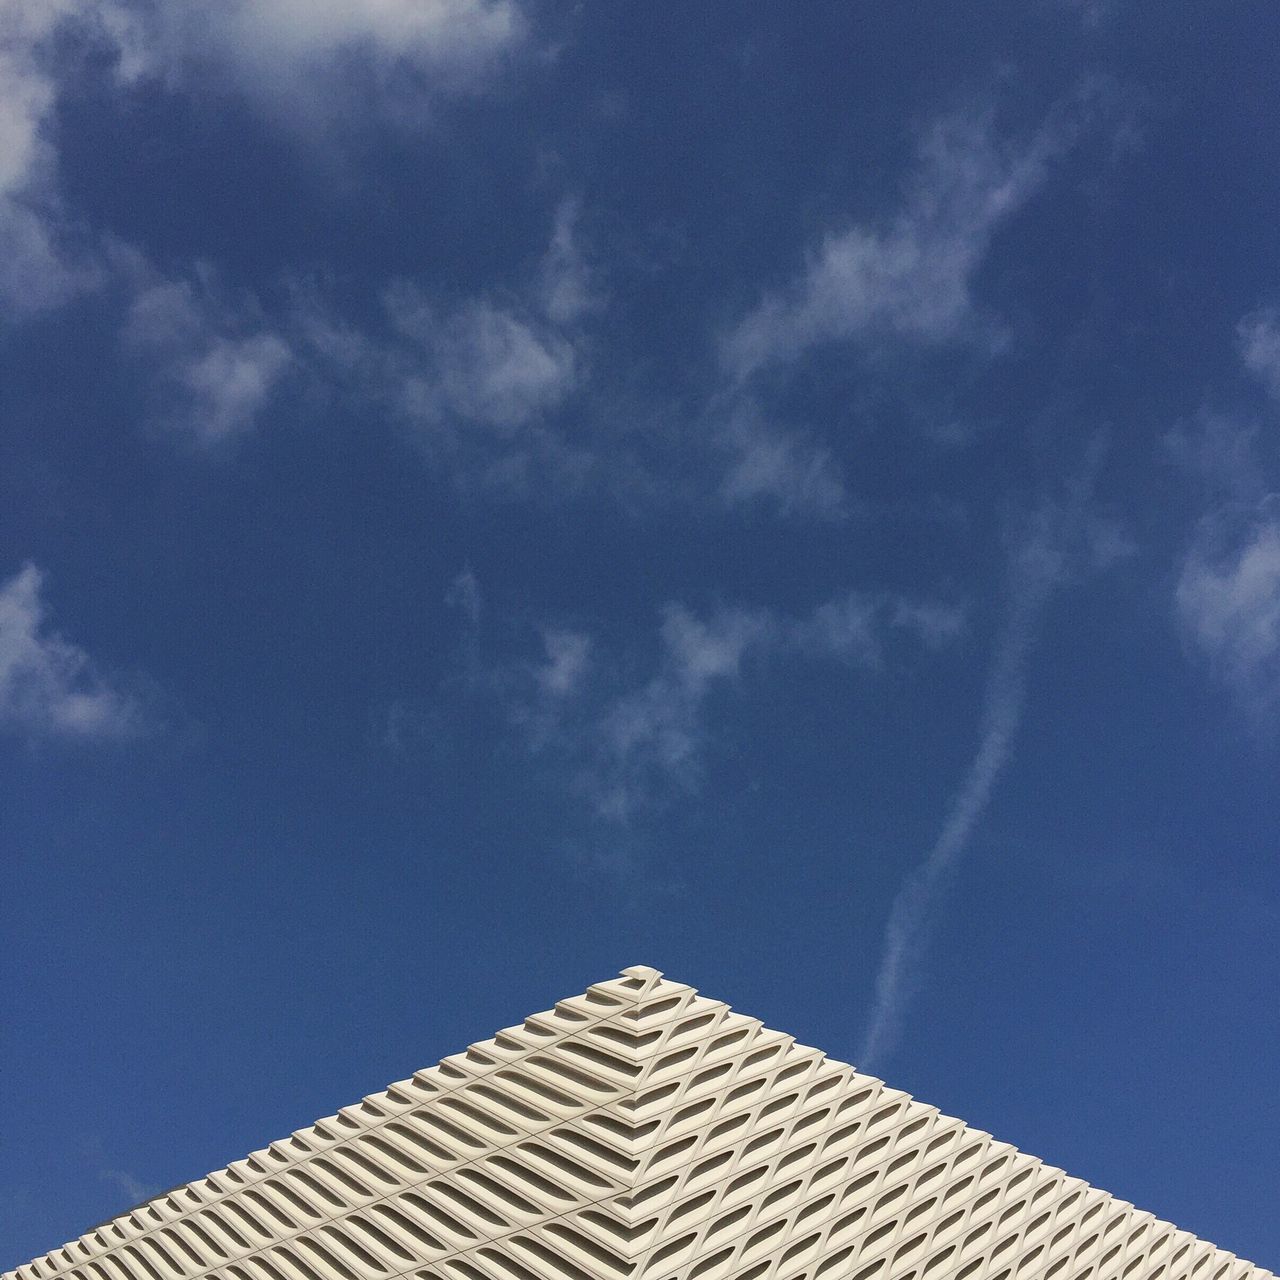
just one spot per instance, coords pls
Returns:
(1219, 453)
(567, 663)
(1227, 597)
(569, 280)
(624, 728)
(906, 278)
(1228, 601)
(479, 363)
(785, 468)
(215, 360)
(629, 748)
(300, 60)
(43, 259)
(910, 277)
(1038, 565)
(464, 595)
(1259, 335)
(49, 687)
(214, 363)
(650, 739)
(479, 381)
(475, 379)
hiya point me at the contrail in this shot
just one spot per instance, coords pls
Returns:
(1037, 567)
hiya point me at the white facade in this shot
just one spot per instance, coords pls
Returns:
(638, 1132)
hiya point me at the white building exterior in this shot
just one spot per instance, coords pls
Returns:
(639, 1131)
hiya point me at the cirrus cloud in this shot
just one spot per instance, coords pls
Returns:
(910, 276)
(1228, 601)
(216, 361)
(1259, 336)
(1227, 596)
(49, 686)
(629, 747)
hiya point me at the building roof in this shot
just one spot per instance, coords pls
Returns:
(639, 1131)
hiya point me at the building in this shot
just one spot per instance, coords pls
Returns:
(639, 1131)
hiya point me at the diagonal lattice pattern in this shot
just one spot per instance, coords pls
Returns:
(639, 1131)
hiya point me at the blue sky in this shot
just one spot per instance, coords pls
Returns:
(495, 492)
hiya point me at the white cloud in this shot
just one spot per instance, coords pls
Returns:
(1040, 562)
(628, 747)
(37, 268)
(480, 381)
(301, 59)
(1259, 335)
(1227, 598)
(228, 381)
(217, 362)
(936, 624)
(568, 658)
(907, 278)
(650, 739)
(480, 363)
(49, 688)
(568, 281)
(433, 32)
(545, 696)
(1109, 542)
(910, 277)
(1220, 453)
(464, 595)
(766, 463)
(297, 57)
(1228, 601)
(34, 272)
(856, 627)
(848, 627)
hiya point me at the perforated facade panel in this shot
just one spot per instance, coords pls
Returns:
(637, 1131)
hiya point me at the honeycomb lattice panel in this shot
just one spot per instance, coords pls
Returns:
(638, 1132)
